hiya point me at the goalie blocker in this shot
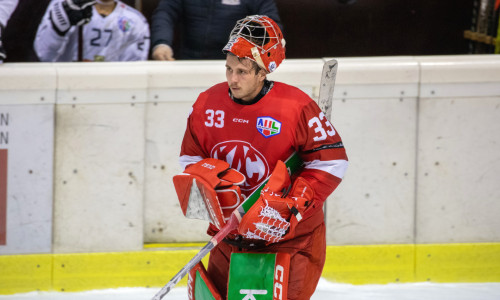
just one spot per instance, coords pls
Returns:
(209, 190)
(257, 276)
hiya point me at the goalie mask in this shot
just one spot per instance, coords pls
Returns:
(258, 38)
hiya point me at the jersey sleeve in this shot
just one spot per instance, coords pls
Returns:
(163, 21)
(6, 10)
(322, 151)
(49, 45)
(191, 150)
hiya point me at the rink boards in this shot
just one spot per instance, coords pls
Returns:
(91, 150)
(154, 267)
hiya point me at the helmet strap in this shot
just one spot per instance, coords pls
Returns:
(258, 59)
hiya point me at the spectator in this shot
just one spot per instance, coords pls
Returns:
(110, 31)
(204, 25)
(7, 7)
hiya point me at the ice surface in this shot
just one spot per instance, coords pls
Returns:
(325, 291)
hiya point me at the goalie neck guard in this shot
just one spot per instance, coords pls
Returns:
(257, 38)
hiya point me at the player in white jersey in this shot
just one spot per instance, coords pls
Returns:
(7, 7)
(112, 31)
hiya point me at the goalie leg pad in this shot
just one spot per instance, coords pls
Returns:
(262, 276)
(200, 287)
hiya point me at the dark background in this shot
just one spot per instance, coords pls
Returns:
(318, 28)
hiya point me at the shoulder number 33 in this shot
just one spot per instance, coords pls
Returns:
(214, 118)
(319, 124)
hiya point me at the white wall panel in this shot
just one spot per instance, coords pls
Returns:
(185, 74)
(99, 177)
(459, 153)
(460, 76)
(164, 220)
(27, 135)
(101, 83)
(375, 202)
(99, 169)
(459, 69)
(27, 97)
(459, 167)
(24, 83)
(299, 72)
(378, 70)
(375, 111)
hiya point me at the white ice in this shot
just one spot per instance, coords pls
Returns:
(325, 291)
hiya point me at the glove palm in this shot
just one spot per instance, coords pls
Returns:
(279, 209)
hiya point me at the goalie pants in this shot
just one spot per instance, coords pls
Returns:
(307, 258)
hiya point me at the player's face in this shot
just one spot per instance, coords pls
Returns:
(241, 77)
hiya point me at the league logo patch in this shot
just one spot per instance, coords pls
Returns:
(268, 126)
(124, 24)
(272, 66)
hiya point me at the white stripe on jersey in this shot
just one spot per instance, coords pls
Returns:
(188, 160)
(335, 167)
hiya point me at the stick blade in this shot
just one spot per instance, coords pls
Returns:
(327, 86)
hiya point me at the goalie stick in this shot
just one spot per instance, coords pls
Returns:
(327, 85)
(80, 44)
(293, 163)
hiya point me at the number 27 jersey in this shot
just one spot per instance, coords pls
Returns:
(252, 138)
(123, 35)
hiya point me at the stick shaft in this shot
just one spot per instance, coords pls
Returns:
(80, 43)
(197, 258)
(230, 225)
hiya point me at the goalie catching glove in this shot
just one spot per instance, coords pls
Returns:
(279, 209)
(67, 13)
(209, 190)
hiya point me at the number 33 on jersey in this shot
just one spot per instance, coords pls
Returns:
(319, 123)
(251, 138)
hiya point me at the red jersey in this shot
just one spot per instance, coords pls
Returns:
(252, 138)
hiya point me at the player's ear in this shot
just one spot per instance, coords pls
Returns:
(261, 74)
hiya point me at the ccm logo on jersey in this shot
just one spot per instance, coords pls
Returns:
(236, 120)
(268, 126)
